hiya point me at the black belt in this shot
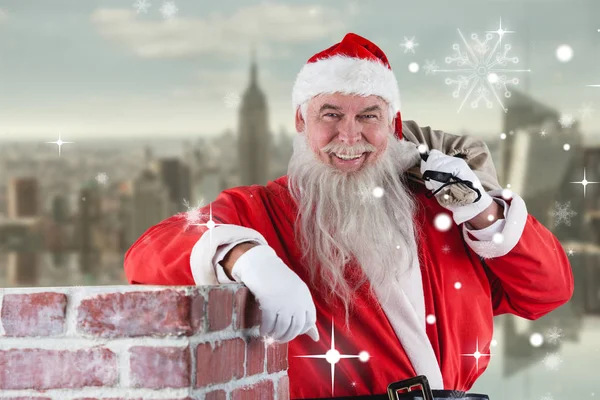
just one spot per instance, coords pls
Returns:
(415, 389)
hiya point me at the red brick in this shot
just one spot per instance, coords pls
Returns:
(277, 357)
(160, 367)
(198, 312)
(255, 356)
(35, 314)
(283, 388)
(25, 398)
(155, 313)
(216, 395)
(262, 390)
(220, 309)
(57, 369)
(247, 311)
(221, 364)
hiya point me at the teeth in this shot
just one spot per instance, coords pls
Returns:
(345, 157)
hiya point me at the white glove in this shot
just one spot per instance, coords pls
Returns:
(287, 306)
(438, 161)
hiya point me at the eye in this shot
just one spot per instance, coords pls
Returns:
(369, 116)
(332, 115)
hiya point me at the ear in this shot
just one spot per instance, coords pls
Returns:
(392, 126)
(300, 123)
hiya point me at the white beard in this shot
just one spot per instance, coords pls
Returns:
(339, 219)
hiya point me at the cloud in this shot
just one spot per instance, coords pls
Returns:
(271, 27)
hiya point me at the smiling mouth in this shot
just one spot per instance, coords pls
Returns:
(348, 158)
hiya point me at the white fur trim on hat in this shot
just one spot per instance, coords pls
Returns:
(346, 75)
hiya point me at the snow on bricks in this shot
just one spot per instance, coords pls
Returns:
(137, 343)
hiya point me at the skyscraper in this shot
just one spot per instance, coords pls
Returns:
(151, 203)
(23, 198)
(253, 134)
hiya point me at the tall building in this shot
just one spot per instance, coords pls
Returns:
(253, 134)
(90, 216)
(150, 203)
(23, 198)
(175, 176)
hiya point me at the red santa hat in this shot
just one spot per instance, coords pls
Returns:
(353, 66)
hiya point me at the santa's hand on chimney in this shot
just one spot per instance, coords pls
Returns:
(439, 169)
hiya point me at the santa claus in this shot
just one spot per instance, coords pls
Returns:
(351, 253)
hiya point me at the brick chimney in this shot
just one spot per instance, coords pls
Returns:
(137, 342)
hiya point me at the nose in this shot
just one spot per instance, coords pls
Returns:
(349, 131)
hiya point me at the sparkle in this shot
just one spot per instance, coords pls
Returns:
(457, 285)
(333, 356)
(168, 9)
(59, 143)
(500, 31)
(446, 249)
(570, 252)
(543, 133)
(409, 45)
(378, 191)
(102, 178)
(477, 354)
(554, 334)
(268, 340)
(484, 64)
(584, 182)
(195, 215)
(141, 6)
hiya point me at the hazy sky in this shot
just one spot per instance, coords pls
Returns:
(100, 69)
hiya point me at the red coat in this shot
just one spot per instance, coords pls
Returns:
(527, 275)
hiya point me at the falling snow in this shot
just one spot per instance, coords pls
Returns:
(232, 100)
(552, 361)
(585, 111)
(486, 249)
(562, 213)
(481, 67)
(102, 178)
(169, 9)
(409, 45)
(141, 6)
(554, 334)
(566, 120)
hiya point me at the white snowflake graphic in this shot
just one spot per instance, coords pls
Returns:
(585, 111)
(554, 334)
(570, 252)
(486, 249)
(552, 361)
(446, 249)
(562, 213)
(141, 6)
(102, 178)
(430, 67)
(481, 69)
(566, 120)
(168, 9)
(409, 44)
(232, 100)
(547, 396)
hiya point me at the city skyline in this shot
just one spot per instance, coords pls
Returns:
(103, 70)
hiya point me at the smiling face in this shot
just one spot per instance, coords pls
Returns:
(346, 131)
(340, 219)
